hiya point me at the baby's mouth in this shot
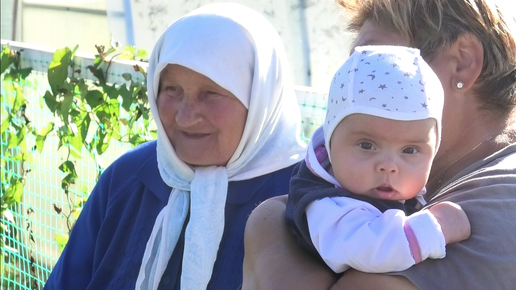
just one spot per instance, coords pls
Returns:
(384, 188)
(385, 192)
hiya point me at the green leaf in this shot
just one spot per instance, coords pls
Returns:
(61, 240)
(76, 212)
(7, 60)
(20, 99)
(5, 124)
(94, 98)
(69, 179)
(99, 74)
(82, 121)
(40, 138)
(127, 53)
(48, 129)
(114, 107)
(76, 141)
(130, 49)
(82, 87)
(16, 139)
(81, 201)
(18, 157)
(66, 105)
(67, 167)
(109, 51)
(136, 89)
(102, 136)
(142, 53)
(111, 91)
(24, 72)
(75, 50)
(97, 61)
(127, 76)
(116, 131)
(127, 97)
(74, 113)
(58, 68)
(14, 192)
(136, 139)
(50, 101)
(84, 127)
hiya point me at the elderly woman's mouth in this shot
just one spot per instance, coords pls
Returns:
(194, 135)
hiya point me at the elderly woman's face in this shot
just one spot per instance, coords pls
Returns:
(203, 121)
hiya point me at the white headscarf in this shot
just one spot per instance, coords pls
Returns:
(240, 51)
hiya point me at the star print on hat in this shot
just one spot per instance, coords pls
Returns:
(392, 82)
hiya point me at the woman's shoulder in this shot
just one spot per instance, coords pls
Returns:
(136, 168)
(486, 193)
(131, 164)
(260, 188)
(489, 182)
(497, 170)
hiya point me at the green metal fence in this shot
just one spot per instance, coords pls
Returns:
(34, 224)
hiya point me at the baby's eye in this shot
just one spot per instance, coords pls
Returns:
(366, 145)
(410, 150)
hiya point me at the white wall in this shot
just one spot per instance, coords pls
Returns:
(60, 23)
(7, 18)
(312, 30)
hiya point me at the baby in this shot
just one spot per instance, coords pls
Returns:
(374, 152)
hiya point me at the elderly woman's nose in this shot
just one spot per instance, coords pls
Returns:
(188, 112)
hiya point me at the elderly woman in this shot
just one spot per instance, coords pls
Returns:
(171, 213)
(471, 45)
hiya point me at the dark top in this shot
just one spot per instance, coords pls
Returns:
(106, 246)
(305, 187)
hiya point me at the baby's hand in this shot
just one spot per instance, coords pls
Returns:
(453, 220)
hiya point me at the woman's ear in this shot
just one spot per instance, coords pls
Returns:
(468, 53)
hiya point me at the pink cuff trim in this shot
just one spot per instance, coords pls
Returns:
(415, 250)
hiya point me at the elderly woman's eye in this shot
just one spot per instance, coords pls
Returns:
(213, 93)
(171, 88)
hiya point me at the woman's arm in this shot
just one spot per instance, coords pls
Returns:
(357, 280)
(273, 260)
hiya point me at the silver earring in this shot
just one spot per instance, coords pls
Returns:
(460, 85)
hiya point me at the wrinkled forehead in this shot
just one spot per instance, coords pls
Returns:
(215, 44)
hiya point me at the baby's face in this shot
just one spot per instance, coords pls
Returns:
(383, 158)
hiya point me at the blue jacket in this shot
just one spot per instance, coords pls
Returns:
(106, 245)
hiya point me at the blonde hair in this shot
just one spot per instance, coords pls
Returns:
(432, 25)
